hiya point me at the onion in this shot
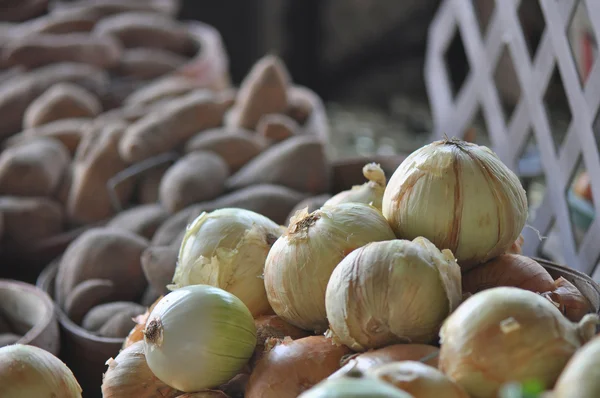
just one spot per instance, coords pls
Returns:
(508, 270)
(569, 300)
(293, 366)
(300, 263)
(418, 380)
(128, 375)
(507, 334)
(461, 197)
(392, 353)
(354, 385)
(581, 376)
(29, 371)
(392, 292)
(198, 337)
(227, 249)
(205, 394)
(369, 193)
(273, 327)
(137, 333)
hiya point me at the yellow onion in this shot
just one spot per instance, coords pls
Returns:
(128, 375)
(300, 263)
(569, 300)
(227, 249)
(507, 334)
(418, 379)
(581, 376)
(354, 385)
(198, 337)
(392, 292)
(427, 354)
(273, 327)
(29, 371)
(461, 197)
(369, 193)
(508, 270)
(290, 367)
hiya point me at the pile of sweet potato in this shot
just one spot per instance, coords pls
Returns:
(72, 79)
(132, 171)
(261, 147)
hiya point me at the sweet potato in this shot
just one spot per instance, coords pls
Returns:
(97, 160)
(158, 263)
(16, 95)
(103, 8)
(100, 315)
(276, 127)
(210, 66)
(174, 225)
(33, 169)
(141, 220)
(58, 23)
(22, 10)
(312, 203)
(272, 201)
(166, 87)
(171, 126)
(235, 146)
(150, 30)
(196, 177)
(61, 101)
(28, 220)
(263, 91)
(68, 131)
(149, 184)
(104, 254)
(41, 49)
(62, 193)
(298, 163)
(86, 295)
(148, 63)
(127, 114)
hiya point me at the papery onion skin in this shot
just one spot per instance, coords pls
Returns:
(137, 332)
(29, 371)
(128, 375)
(392, 292)
(508, 270)
(354, 387)
(581, 376)
(272, 326)
(507, 334)
(569, 300)
(227, 249)
(461, 197)
(370, 193)
(300, 263)
(198, 337)
(417, 379)
(293, 366)
(517, 246)
(393, 353)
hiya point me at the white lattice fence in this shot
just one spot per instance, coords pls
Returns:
(454, 114)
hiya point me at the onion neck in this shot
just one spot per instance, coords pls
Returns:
(154, 332)
(587, 327)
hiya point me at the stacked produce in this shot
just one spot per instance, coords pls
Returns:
(212, 258)
(347, 303)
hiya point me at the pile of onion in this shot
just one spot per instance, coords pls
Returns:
(301, 261)
(507, 334)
